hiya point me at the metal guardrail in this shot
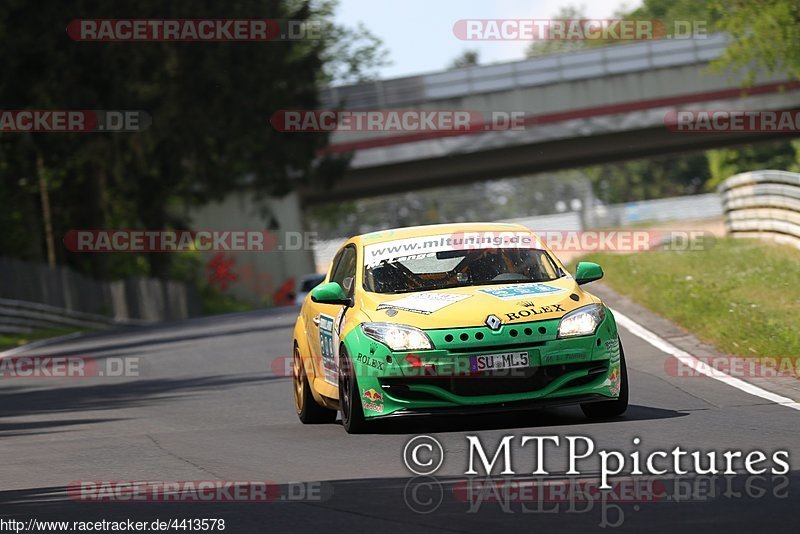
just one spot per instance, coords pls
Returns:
(763, 204)
(64, 293)
(21, 317)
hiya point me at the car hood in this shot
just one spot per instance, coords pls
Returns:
(470, 306)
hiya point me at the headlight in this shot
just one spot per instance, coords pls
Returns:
(397, 337)
(582, 322)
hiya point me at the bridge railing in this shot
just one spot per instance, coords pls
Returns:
(554, 68)
(763, 204)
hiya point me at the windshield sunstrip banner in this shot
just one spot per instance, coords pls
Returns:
(413, 247)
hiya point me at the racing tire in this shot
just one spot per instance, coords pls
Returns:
(353, 419)
(613, 408)
(309, 412)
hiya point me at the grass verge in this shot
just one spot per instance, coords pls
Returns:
(742, 296)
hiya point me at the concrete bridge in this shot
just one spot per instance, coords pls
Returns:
(580, 108)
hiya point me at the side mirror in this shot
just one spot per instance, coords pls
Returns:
(330, 293)
(587, 271)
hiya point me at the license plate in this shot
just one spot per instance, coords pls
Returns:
(492, 362)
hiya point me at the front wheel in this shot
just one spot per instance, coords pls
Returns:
(613, 408)
(309, 412)
(353, 419)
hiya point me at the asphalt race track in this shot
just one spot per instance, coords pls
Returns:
(208, 405)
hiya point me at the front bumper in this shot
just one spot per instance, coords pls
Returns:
(502, 407)
(560, 371)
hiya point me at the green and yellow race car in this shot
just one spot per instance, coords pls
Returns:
(450, 319)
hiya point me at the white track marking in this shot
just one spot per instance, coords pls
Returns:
(701, 367)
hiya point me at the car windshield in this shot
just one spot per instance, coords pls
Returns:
(458, 268)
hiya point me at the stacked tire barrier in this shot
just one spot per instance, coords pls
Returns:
(763, 205)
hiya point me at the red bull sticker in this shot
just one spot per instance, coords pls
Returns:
(616, 381)
(372, 400)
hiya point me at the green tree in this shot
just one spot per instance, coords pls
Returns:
(704, 15)
(649, 178)
(543, 48)
(765, 37)
(210, 104)
(764, 33)
(725, 162)
(468, 58)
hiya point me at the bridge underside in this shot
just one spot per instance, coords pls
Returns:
(525, 160)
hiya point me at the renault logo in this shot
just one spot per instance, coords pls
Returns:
(493, 322)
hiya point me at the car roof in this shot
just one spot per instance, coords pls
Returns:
(434, 229)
